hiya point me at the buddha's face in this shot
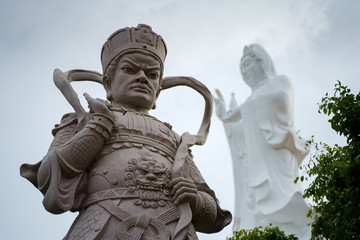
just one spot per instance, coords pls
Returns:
(136, 82)
(251, 70)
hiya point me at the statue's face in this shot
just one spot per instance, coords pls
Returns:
(136, 82)
(251, 70)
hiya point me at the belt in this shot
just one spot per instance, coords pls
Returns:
(124, 193)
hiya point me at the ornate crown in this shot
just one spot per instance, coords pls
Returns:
(142, 37)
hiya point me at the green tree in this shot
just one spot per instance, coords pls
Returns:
(335, 189)
(269, 233)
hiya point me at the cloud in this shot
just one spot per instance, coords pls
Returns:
(312, 42)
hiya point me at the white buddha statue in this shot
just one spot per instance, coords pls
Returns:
(266, 152)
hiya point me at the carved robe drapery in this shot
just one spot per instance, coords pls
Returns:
(266, 155)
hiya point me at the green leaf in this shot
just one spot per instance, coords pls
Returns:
(335, 189)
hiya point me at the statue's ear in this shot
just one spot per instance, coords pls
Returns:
(107, 86)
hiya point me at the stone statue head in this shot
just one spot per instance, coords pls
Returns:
(256, 65)
(133, 63)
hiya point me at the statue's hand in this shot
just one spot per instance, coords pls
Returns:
(233, 115)
(184, 189)
(220, 107)
(97, 105)
(187, 140)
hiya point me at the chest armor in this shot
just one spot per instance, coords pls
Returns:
(135, 163)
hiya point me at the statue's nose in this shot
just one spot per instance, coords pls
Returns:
(150, 176)
(141, 77)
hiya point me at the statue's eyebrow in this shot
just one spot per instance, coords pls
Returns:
(151, 68)
(157, 68)
(145, 168)
(128, 60)
(243, 59)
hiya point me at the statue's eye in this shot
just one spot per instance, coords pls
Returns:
(153, 75)
(142, 171)
(128, 70)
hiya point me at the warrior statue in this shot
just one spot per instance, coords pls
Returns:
(265, 150)
(129, 175)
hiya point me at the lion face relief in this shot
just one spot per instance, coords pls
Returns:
(148, 180)
(147, 173)
(150, 175)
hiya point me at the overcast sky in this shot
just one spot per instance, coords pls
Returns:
(313, 42)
